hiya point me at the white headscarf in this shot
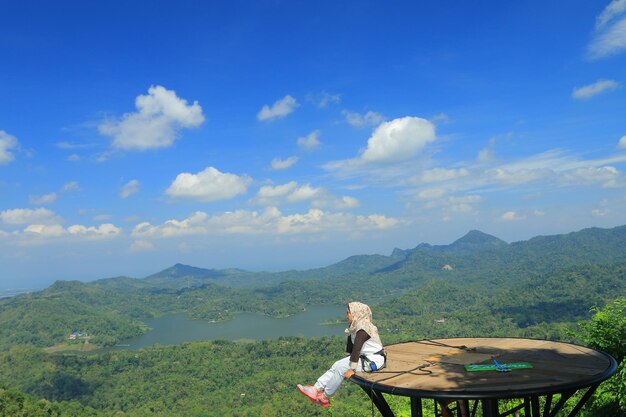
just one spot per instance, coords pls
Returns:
(362, 320)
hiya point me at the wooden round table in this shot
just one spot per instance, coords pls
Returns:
(525, 369)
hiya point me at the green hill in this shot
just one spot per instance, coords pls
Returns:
(542, 280)
(478, 285)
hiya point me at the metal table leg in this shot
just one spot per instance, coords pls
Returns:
(416, 407)
(379, 401)
(490, 408)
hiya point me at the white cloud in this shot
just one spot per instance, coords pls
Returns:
(323, 99)
(52, 197)
(465, 199)
(302, 193)
(310, 141)
(506, 175)
(325, 199)
(69, 145)
(348, 202)
(603, 209)
(486, 155)
(271, 192)
(8, 143)
(270, 221)
(26, 216)
(450, 205)
(39, 233)
(588, 91)
(370, 118)
(442, 174)
(44, 230)
(292, 193)
(286, 193)
(73, 157)
(208, 185)
(609, 176)
(316, 220)
(278, 164)
(102, 217)
(555, 167)
(622, 142)
(280, 108)
(70, 186)
(398, 140)
(130, 188)
(376, 221)
(42, 199)
(159, 117)
(440, 118)
(390, 156)
(431, 193)
(547, 165)
(512, 216)
(141, 246)
(610, 35)
(104, 230)
(614, 9)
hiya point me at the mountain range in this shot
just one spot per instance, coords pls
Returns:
(588, 246)
(479, 279)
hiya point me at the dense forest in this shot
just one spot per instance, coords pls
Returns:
(567, 287)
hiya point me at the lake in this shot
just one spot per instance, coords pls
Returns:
(177, 329)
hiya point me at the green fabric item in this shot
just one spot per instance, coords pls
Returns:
(493, 367)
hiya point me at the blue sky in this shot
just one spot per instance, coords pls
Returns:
(272, 135)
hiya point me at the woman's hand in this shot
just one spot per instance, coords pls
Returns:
(349, 374)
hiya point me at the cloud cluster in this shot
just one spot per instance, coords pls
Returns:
(36, 233)
(278, 164)
(455, 191)
(28, 216)
(449, 205)
(70, 186)
(370, 118)
(49, 198)
(391, 143)
(443, 174)
(292, 193)
(280, 108)
(8, 144)
(323, 99)
(512, 216)
(398, 139)
(270, 221)
(42, 199)
(610, 32)
(130, 188)
(208, 185)
(591, 90)
(160, 115)
(310, 141)
(42, 225)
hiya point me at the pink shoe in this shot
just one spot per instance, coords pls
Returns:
(322, 400)
(309, 391)
(313, 395)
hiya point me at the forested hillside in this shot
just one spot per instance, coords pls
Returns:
(526, 283)
(476, 286)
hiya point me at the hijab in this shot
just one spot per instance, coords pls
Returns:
(362, 320)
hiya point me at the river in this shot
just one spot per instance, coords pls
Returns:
(178, 328)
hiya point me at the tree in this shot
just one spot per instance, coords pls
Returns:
(606, 331)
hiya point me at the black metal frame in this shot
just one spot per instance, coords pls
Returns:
(490, 407)
(490, 399)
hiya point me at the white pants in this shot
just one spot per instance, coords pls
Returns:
(332, 379)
